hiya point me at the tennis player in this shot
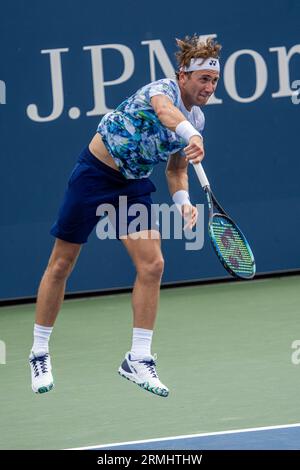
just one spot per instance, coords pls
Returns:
(161, 121)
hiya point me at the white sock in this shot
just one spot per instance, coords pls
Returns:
(41, 336)
(141, 343)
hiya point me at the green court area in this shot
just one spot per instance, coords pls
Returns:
(224, 350)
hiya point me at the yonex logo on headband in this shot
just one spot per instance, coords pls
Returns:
(211, 63)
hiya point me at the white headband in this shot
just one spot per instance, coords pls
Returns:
(197, 64)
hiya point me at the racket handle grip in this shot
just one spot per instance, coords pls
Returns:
(201, 175)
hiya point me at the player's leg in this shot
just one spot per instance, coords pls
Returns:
(138, 365)
(52, 287)
(87, 187)
(145, 251)
(49, 300)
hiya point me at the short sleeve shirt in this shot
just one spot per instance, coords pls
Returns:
(134, 135)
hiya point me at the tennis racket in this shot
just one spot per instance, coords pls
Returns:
(228, 241)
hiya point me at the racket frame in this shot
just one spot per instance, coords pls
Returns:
(213, 203)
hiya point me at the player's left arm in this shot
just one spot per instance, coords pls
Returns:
(177, 178)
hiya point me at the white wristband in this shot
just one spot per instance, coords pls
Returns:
(181, 197)
(185, 130)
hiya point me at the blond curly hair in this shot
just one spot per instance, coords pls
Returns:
(193, 47)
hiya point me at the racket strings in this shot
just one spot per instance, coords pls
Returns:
(231, 245)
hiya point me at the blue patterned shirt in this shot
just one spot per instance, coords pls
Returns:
(135, 137)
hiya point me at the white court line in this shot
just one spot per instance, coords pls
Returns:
(188, 436)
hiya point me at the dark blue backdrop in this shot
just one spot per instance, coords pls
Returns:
(252, 156)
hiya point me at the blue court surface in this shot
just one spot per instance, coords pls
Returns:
(286, 437)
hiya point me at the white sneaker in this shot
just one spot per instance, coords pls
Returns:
(41, 375)
(143, 373)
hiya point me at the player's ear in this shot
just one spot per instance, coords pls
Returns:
(181, 76)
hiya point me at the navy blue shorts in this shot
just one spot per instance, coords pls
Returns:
(91, 184)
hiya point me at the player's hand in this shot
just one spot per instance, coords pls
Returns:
(194, 152)
(190, 215)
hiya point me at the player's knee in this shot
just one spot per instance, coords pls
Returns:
(152, 270)
(60, 268)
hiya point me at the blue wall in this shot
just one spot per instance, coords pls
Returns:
(252, 148)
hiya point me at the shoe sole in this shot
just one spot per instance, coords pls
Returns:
(44, 389)
(160, 392)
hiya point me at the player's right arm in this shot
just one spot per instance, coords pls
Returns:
(167, 113)
(171, 117)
